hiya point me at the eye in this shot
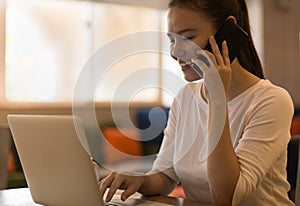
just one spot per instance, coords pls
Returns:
(189, 38)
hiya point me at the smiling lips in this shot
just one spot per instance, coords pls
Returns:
(184, 65)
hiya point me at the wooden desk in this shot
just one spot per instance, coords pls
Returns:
(22, 196)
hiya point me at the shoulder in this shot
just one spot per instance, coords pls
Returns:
(268, 91)
(273, 97)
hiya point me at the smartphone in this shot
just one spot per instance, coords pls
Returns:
(235, 37)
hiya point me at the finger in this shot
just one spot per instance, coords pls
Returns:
(212, 58)
(105, 183)
(129, 191)
(115, 185)
(203, 57)
(225, 53)
(216, 50)
(199, 66)
(110, 194)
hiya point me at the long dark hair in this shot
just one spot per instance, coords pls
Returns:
(218, 11)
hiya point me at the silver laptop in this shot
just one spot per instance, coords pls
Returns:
(57, 167)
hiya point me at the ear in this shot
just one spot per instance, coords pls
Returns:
(232, 18)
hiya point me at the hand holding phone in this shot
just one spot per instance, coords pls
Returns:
(236, 38)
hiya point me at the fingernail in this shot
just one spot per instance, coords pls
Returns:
(123, 197)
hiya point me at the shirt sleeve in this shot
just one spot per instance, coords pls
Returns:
(164, 160)
(264, 139)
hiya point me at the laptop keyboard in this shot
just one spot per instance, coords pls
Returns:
(111, 204)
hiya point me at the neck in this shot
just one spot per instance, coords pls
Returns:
(241, 80)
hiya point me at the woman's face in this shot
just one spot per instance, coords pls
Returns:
(193, 26)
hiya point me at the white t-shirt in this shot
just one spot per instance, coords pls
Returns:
(260, 119)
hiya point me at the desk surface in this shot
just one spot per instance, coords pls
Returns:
(21, 196)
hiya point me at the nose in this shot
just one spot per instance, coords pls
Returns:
(177, 49)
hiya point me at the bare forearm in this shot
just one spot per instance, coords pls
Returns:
(223, 169)
(157, 184)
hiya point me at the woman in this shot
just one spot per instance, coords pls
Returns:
(248, 165)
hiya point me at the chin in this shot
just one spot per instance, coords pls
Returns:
(191, 78)
(190, 75)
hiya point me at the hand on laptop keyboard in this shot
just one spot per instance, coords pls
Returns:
(129, 182)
